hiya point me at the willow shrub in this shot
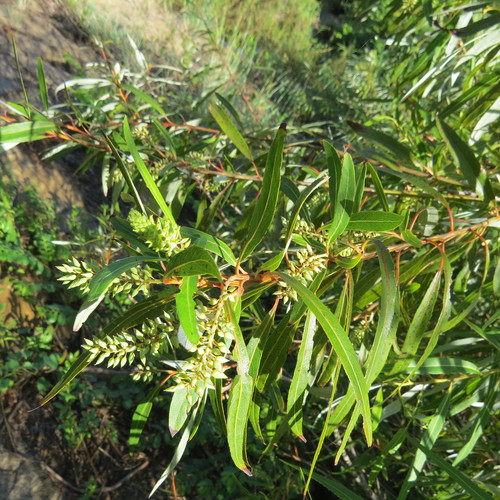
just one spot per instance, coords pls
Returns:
(298, 290)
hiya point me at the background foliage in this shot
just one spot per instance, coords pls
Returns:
(330, 287)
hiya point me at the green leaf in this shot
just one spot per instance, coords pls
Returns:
(411, 239)
(124, 171)
(274, 262)
(183, 400)
(380, 462)
(102, 281)
(374, 221)
(344, 201)
(379, 188)
(149, 308)
(301, 376)
(334, 173)
(42, 84)
(360, 187)
(336, 487)
(473, 28)
(240, 353)
(428, 439)
(466, 161)
(481, 421)
(456, 476)
(255, 347)
(143, 170)
(342, 346)
(17, 133)
(230, 130)
(164, 132)
(186, 308)
(237, 419)
(103, 278)
(263, 212)
(140, 417)
(210, 243)
(193, 261)
(422, 316)
(384, 336)
(143, 97)
(217, 405)
(400, 152)
(439, 366)
(443, 316)
(179, 451)
(230, 108)
(275, 351)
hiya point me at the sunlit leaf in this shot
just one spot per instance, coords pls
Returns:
(140, 417)
(344, 202)
(374, 221)
(193, 261)
(466, 161)
(238, 408)
(145, 174)
(263, 212)
(342, 345)
(186, 308)
(230, 130)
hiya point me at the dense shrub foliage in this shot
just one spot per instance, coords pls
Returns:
(326, 294)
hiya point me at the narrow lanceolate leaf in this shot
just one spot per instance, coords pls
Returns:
(240, 352)
(140, 417)
(379, 188)
(300, 376)
(334, 486)
(102, 281)
(210, 243)
(374, 221)
(481, 421)
(126, 174)
(215, 395)
(255, 346)
(143, 170)
(274, 263)
(440, 366)
(457, 477)
(466, 161)
(42, 84)
(344, 201)
(185, 305)
(342, 346)
(179, 451)
(193, 261)
(422, 316)
(17, 133)
(183, 400)
(384, 336)
(146, 98)
(429, 438)
(237, 420)
(360, 187)
(229, 128)
(275, 351)
(263, 213)
(147, 309)
(399, 151)
(334, 174)
(410, 238)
